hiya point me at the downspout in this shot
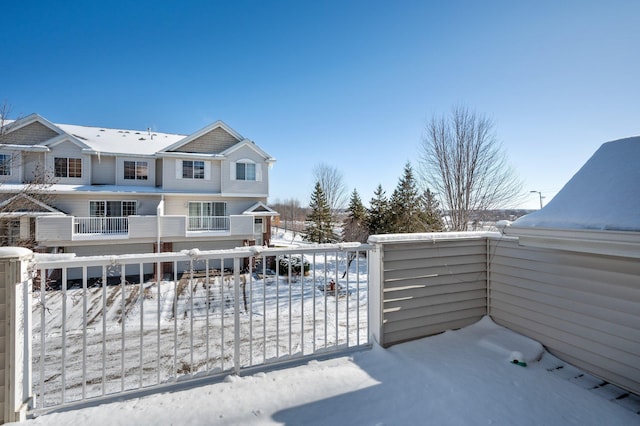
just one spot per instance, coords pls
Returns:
(488, 272)
(159, 213)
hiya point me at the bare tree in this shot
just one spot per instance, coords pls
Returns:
(332, 184)
(463, 163)
(292, 215)
(5, 112)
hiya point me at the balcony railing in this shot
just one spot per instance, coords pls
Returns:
(208, 223)
(243, 309)
(101, 225)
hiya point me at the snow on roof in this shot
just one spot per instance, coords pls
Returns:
(603, 195)
(134, 142)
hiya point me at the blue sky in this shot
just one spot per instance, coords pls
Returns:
(346, 83)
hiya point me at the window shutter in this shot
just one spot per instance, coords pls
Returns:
(178, 169)
(259, 172)
(232, 168)
(207, 170)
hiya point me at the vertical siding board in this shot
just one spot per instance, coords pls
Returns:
(583, 307)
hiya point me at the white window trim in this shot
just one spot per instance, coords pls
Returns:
(137, 204)
(9, 165)
(233, 171)
(82, 167)
(135, 170)
(207, 169)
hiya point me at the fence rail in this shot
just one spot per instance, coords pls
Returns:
(107, 325)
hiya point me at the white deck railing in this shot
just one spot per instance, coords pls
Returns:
(101, 225)
(208, 223)
(105, 326)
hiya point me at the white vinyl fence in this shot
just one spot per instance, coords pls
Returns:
(117, 329)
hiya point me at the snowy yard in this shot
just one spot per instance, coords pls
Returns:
(458, 377)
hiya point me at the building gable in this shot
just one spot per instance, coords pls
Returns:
(212, 142)
(31, 134)
(21, 203)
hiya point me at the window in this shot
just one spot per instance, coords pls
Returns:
(245, 171)
(136, 170)
(5, 165)
(208, 216)
(68, 167)
(207, 208)
(112, 208)
(192, 169)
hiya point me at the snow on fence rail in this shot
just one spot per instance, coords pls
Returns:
(108, 325)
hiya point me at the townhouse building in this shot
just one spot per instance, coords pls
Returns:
(96, 191)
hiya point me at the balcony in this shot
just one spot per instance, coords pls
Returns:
(583, 307)
(60, 230)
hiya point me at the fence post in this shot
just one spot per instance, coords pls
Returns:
(15, 329)
(376, 292)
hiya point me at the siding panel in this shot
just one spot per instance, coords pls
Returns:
(430, 287)
(583, 307)
(31, 134)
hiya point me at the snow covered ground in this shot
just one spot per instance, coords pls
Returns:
(463, 377)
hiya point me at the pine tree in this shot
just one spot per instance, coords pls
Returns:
(377, 215)
(318, 227)
(405, 212)
(431, 212)
(355, 227)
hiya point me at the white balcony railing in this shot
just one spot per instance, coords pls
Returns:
(101, 225)
(241, 309)
(208, 223)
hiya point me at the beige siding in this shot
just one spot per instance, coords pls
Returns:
(103, 170)
(213, 142)
(78, 204)
(143, 226)
(32, 134)
(175, 204)
(5, 277)
(171, 183)
(54, 228)
(151, 172)
(110, 249)
(159, 163)
(70, 150)
(231, 186)
(430, 287)
(584, 308)
(173, 226)
(25, 167)
(241, 225)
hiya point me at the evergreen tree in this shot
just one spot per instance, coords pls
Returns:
(318, 227)
(355, 226)
(405, 212)
(431, 216)
(377, 215)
